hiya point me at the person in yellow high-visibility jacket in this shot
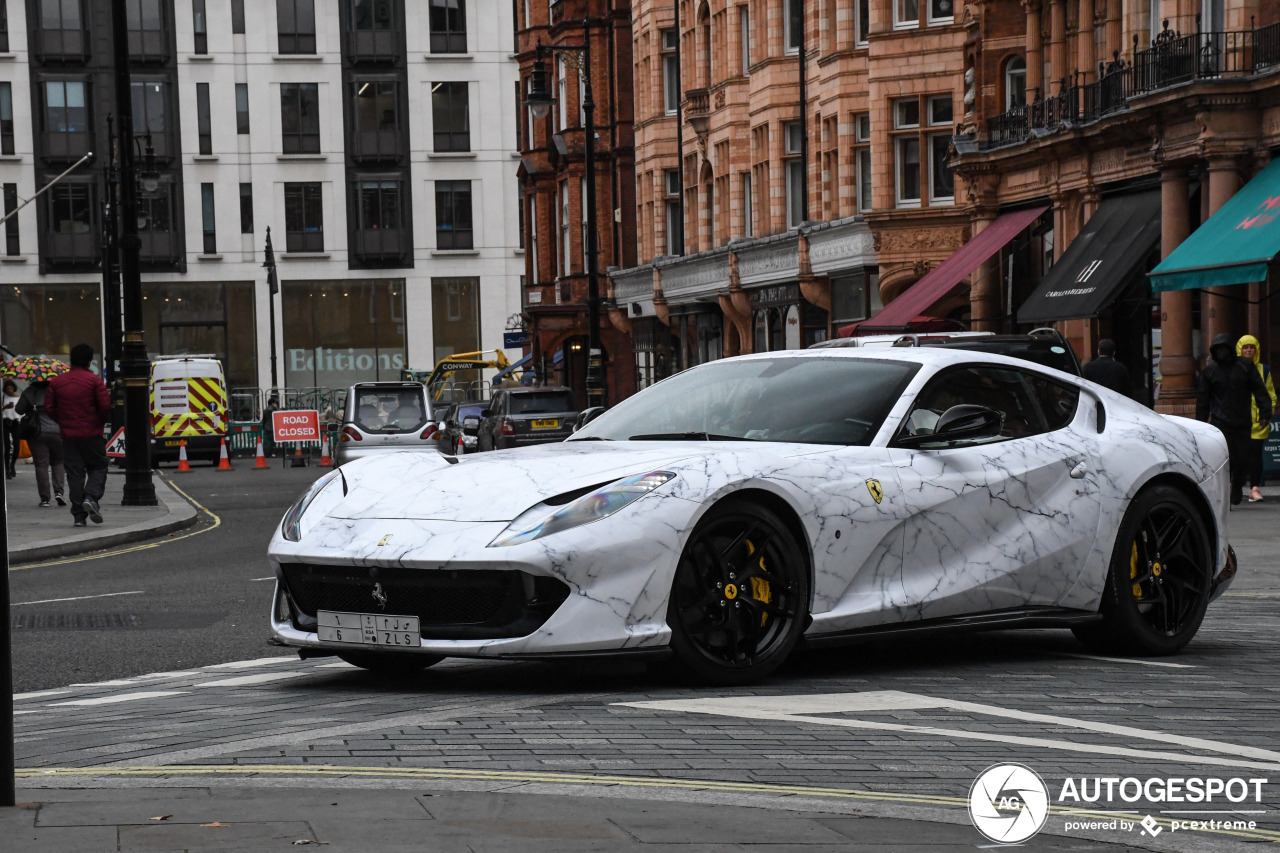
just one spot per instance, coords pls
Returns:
(1248, 347)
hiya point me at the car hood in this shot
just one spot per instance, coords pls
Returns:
(500, 485)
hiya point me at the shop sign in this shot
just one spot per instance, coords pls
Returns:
(776, 294)
(1271, 449)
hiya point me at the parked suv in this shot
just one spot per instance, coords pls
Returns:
(519, 417)
(384, 416)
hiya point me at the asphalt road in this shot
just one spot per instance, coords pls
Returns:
(199, 598)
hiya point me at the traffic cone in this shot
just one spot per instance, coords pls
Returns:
(183, 466)
(462, 447)
(224, 461)
(325, 461)
(298, 461)
(260, 461)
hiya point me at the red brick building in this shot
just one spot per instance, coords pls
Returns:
(553, 179)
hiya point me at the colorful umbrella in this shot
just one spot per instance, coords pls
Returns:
(33, 368)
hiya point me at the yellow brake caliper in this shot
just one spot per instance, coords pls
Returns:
(760, 589)
(1133, 570)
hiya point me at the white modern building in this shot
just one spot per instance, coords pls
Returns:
(375, 138)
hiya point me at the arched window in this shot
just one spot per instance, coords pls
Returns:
(1015, 83)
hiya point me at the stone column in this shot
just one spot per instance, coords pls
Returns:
(1220, 310)
(1085, 49)
(1177, 363)
(1057, 46)
(1035, 51)
(985, 293)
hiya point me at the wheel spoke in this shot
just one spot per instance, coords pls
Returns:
(1171, 534)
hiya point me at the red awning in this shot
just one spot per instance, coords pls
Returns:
(919, 297)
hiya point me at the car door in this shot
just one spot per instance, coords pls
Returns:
(1003, 522)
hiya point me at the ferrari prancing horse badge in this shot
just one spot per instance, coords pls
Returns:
(877, 493)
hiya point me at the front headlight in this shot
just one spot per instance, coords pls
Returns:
(543, 520)
(291, 527)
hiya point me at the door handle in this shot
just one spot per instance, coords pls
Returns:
(1079, 471)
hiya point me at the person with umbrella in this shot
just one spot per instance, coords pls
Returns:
(10, 429)
(27, 368)
(45, 444)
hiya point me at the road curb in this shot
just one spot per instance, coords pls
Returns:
(180, 514)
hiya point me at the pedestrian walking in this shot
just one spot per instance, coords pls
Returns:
(1108, 372)
(1227, 383)
(268, 430)
(9, 429)
(46, 445)
(1249, 348)
(79, 404)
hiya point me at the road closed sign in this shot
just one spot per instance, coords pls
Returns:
(296, 425)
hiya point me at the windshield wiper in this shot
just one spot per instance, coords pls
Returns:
(591, 438)
(686, 436)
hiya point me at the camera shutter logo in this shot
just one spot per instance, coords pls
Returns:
(1008, 803)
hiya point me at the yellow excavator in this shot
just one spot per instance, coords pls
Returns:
(438, 378)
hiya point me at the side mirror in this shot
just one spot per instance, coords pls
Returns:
(966, 421)
(586, 416)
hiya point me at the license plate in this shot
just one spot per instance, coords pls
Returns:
(546, 423)
(173, 443)
(370, 629)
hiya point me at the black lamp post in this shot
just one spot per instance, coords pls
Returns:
(135, 366)
(539, 101)
(273, 287)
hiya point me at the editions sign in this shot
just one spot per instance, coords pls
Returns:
(336, 367)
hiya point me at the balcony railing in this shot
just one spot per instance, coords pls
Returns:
(374, 45)
(379, 244)
(1172, 59)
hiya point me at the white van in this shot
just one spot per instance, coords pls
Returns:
(188, 403)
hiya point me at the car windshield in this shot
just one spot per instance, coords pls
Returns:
(541, 402)
(384, 410)
(793, 399)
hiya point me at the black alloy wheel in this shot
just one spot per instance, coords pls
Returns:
(740, 598)
(390, 663)
(1160, 578)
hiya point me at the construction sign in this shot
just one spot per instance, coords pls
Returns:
(296, 425)
(115, 447)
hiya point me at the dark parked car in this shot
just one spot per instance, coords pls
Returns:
(519, 417)
(461, 421)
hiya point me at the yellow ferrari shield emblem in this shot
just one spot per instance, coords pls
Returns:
(385, 539)
(731, 592)
(877, 493)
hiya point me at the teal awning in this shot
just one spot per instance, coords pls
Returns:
(1235, 246)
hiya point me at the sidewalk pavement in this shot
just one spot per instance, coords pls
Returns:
(383, 814)
(45, 533)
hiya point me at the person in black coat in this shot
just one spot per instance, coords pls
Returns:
(1108, 372)
(1227, 384)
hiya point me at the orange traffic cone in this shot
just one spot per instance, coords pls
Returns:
(224, 461)
(462, 447)
(325, 461)
(298, 461)
(260, 462)
(183, 466)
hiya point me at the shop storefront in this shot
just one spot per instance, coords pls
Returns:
(340, 332)
(699, 330)
(49, 319)
(205, 318)
(782, 319)
(656, 351)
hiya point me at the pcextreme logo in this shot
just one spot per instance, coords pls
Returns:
(1008, 803)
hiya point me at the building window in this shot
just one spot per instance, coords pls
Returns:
(377, 120)
(4, 27)
(862, 159)
(145, 22)
(532, 218)
(793, 137)
(670, 73)
(6, 118)
(450, 116)
(300, 117)
(379, 205)
(150, 108)
(448, 19)
(793, 25)
(906, 13)
(296, 26)
(207, 218)
(455, 316)
(675, 212)
(367, 15)
(66, 119)
(204, 121)
(453, 215)
(520, 214)
(1015, 83)
(242, 108)
(744, 25)
(906, 114)
(71, 208)
(748, 206)
(563, 216)
(342, 332)
(941, 11)
(155, 213)
(199, 27)
(237, 17)
(907, 170)
(303, 218)
(862, 23)
(11, 246)
(246, 208)
(941, 180)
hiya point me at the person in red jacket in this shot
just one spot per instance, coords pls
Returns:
(78, 401)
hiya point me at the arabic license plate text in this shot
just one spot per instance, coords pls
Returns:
(370, 629)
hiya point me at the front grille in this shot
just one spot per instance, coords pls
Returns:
(451, 604)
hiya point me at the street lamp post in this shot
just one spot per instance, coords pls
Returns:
(273, 287)
(134, 364)
(539, 101)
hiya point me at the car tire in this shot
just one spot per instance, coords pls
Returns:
(390, 663)
(1160, 578)
(740, 597)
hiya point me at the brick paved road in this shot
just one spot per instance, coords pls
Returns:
(465, 725)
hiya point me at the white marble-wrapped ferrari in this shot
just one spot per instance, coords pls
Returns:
(753, 503)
